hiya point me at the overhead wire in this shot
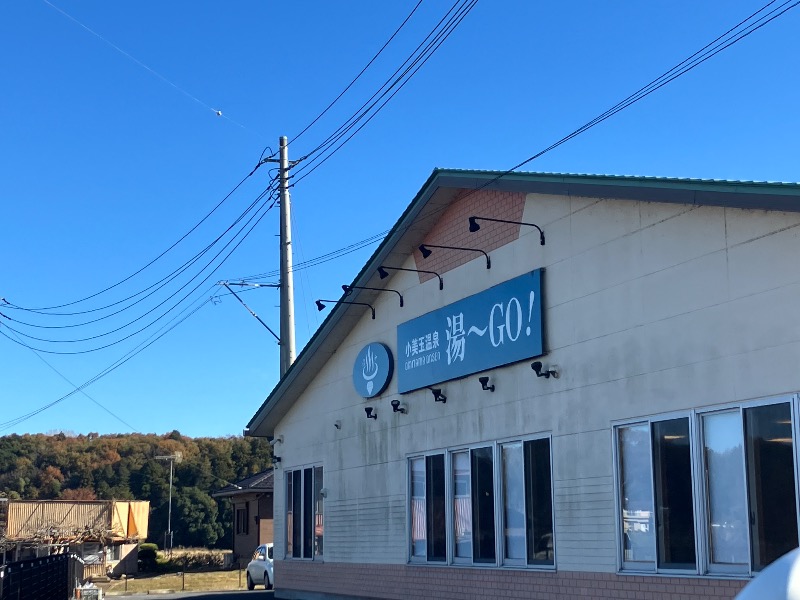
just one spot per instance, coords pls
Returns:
(217, 112)
(166, 328)
(429, 45)
(158, 334)
(711, 49)
(677, 71)
(159, 305)
(357, 77)
(158, 284)
(64, 377)
(322, 160)
(645, 91)
(132, 275)
(324, 258)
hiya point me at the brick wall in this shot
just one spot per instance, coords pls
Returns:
(306, 580)
(452, 229)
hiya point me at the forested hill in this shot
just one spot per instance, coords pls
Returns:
(124, 467)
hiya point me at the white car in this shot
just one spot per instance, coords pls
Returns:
(259, 570)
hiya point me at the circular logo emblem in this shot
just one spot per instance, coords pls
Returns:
(373, 370)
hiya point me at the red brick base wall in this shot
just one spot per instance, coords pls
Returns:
(310, 581)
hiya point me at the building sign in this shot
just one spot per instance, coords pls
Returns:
(498, 326)
(373, 370)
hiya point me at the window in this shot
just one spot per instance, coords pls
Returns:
(738, 462)
(304, 512)
(527, 503)
(539, 502)
(428, 539)
(114, 552)
(473, 521)
(242, 520)
(480, 511)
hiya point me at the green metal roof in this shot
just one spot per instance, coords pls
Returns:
(760, 195)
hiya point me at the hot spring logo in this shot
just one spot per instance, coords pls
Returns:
(372, 370)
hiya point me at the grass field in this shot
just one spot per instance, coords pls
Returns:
(190, 582)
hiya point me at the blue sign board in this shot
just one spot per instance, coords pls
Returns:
(498, 326)
(372, 370)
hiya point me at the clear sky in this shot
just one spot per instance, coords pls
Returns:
(111, 149)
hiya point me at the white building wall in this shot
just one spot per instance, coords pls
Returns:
(650, 308)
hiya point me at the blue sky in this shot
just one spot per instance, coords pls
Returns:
(111, 150)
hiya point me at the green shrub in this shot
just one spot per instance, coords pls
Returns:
(148, 554)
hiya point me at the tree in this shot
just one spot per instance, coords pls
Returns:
(195, 519)
(78, 494)
(123, 466)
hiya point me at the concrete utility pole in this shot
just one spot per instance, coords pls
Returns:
(172, 458)
(287, 279)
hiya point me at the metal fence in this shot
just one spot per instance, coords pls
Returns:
(46, 578)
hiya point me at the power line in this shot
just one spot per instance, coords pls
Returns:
(64, 377)
(112, 367)
(158, 285)
(356, 78)
(313, 262)
(216, 111)
(411, 65)
(132, 275)
(163, 302)
(374, 114)
(158, 334)
(719, 44)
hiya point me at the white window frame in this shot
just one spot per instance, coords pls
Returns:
(499, 505)
(704, 567)
(517, 563)
(450, 502)
(423, 560)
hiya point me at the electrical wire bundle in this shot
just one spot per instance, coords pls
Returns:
(154, 310)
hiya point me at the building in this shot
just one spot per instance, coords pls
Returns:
(251, 500)
(104, 533)
(588, 388)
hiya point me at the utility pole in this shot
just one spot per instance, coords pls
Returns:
(172, 458)
(287, 278)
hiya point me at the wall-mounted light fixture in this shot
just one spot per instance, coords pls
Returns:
(383, 274)
(337, 424)
(473, 225)
(426, 252)
(552, 371)
(321, 306)
(349, 288)
(324, 492)
(438, 396)
(397, 408)
(371, 414)
(276, 459)
(485, 384)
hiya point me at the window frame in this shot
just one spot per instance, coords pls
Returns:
(411, 558)
(703, 565)
(452, 559)
(243, 526)
(288, 508)
(523, 563)
(498, 498)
